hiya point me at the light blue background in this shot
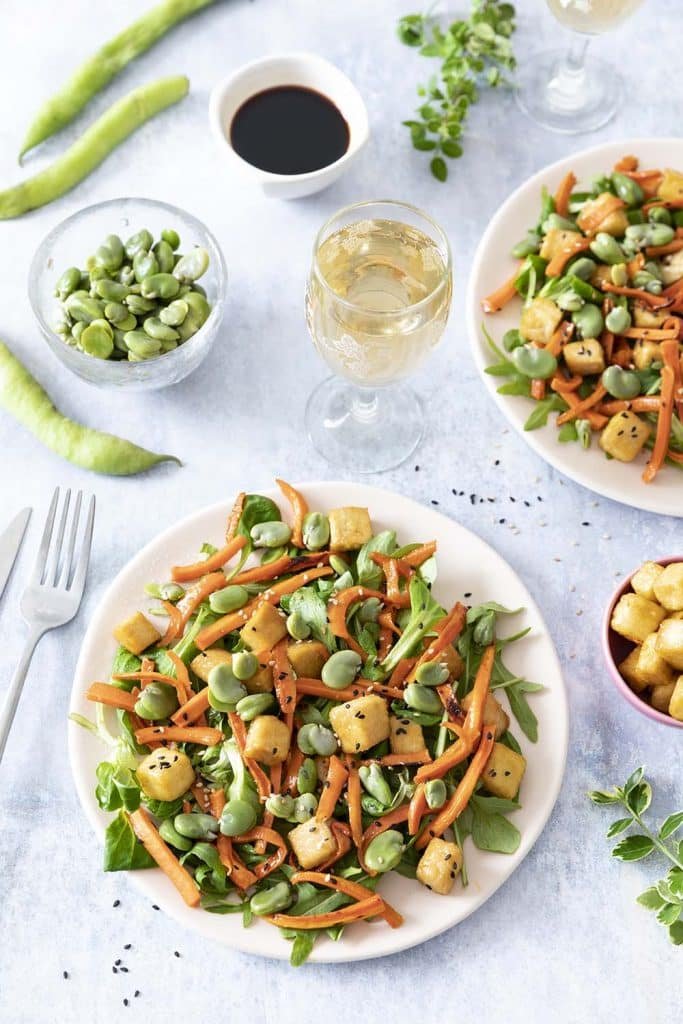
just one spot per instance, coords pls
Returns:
(563, 940)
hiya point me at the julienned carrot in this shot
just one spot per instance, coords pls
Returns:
(208, 636)
(193, 709)
(112, 696)
(239, 732)
(537, 389)
(664, 420)
(286, 564)
(644, 403)
(332, 788)
(653, 333)
(234, 517)
(353, 889)
(379, 825)
(596, 420)
(217, 801)
(237, 871)
(370, 907)
(563, 193)
(203, 735)
(183, 573)
(160, 852)
(175, 624)
(449, 628)
(417, 556)
(343, 843)
(564, 254)
(198, 592)
(299, 509)
(201, 795)
(146, 674)
(465, 788)
(561, 336)
(417, 757)
(564, 384)
(653, 251)
(494, 302)
(353, 790)
(182, 676)
(272, 838)
(482, 682)
(456, 715)
(401, 672)
(283, 679)
(338, 607)
(418, 808)
(294, 762)
(394, 570)
(675, 456)
(627, 163)
(452, 756)
(387, 631)
(583, 405)
(654, 301)
(361, 687)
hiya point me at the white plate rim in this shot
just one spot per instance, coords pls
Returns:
(154, 885)
(543, 441)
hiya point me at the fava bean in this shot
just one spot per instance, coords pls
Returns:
(141, 345)
(83, 307)
(154, 327)
(156, 701)
(270, 535)
(617, 320)
(138, 305)
(141, 241)
(385, 851)
(192, 265)
(435, 794)
(271, 901)
(244, 664)
(431, 673)
(172, 237)
(627, 189)
(536, 363)
(555, 221)
(69, 282)
(316, 739)
(421, 698)
(145, 265)
(344, 581)
(196, 826)
(341, 669)
(619, 276)
(583, 268)
(170, 834)
(316, 531)
(305, 807)
(297, 627)
(280, 806)
(531, 243)
(225, 689)
(174, 314)
(589, 321)
(98, 339)
(237, 817)
(307, 777)
(569, 300)
(229, 599)
(159, 286)
(253, 705)
(164, 254)
(369, 610)
(372, 777)
(607, 249)
(512, 339)
(620, 383)
(338, 564)
(659, 215)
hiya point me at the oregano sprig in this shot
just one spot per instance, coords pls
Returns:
(666, 896)
(474, 52)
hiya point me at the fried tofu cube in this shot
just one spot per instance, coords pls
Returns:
(539, 320)
(307, 657)
(361, 723)
(494, 715)
(137, 633)
(668, 587)
(624, 436)
(406, 736)
(267, 740)
(584, 357)
(503, 773)
(652, 668)
(614, 222)
(264, 629)
(671, 267)
(350, 528)
(439, 865)
(643, 581)
(313, 843)
(556, 240)
(671, 186)
(645, 353)
(635, 617)
(670, 643)
(628, 669)
(165, 774)
(660, 697)
(260, 682)
(452, 660)
(676, 701)
(643, 316)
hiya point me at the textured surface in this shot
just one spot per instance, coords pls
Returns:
(564, 932)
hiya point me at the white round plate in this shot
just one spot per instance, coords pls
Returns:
(466, 566)
(493, 264)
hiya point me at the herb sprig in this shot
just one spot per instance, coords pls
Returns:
(666, 896)
(473, 52)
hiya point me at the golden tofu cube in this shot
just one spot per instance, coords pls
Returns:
(494, 715)
(614, 222)
(660, 697)
(556, 240)
(676, 702)
(624, 436)
(584, 357)
(307, 657)
(635, 617)
(670, 643)
(165, 774)
(313, 843)
(406, 736)
(652, 668)
(350, 528)
(539, 320)
(267, 740)
(671, 267)
(645, 353)
(643, 316)
(439, 866)
(668, 587)
(601, 275)
(360, 724)
(628, 669)
(671, 186)
(452, 660)
(264, 629)
(260, 682)
(503, 773)
(137, 633)
(643, 580)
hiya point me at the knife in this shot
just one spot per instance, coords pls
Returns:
(10, 543)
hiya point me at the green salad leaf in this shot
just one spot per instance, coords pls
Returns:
(122, 850)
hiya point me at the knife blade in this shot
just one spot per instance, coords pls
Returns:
(10, 543)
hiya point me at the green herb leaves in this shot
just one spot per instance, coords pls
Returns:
(473, 52)
(122, 851)
(666, 897)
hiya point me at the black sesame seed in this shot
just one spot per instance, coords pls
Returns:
(154, 906)
(468, 594)
(117, 962)
(136, 994)
(125, 1002)
(176, 953)
(417, 469)
(65, 974)
(501, 521)
(585, 524)
(124, 969)
(434, 501)
(114, 970)
(116, 903)
(128, 945)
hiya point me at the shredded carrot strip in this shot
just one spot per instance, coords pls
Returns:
(342, 838)
(596, 421)
(236, 869)
(653, 333)
(175, 624)
(193, 709)
(561, 336)
(583, 405)
(234, 517)
(418, 808)
(453, 755)
(285, 685)
(394, 569)
(299, 509)
(401, 672)
(379, 825)
(654, 301)
(279, 567)
(563, 193)
(448, 629)
(198, 593)
(316, 688)
(417, 556)
(332, 788)
(563, 255)
(675, 456)
(239, 731)
(562, 385)
(205, 737)
(349, 888)
(652, 251)
(183, 573)
(537, 390)
(112, 696)
(201, 796)
(294, 762)
(626, 163)
(450, 704)
(353, 790)
(338, 608)
(482, 682)
(217, 801)
(146, 677)
(416, 757)
(157, 848)
(266, 835)
(182, 676)
(494, 302)
(354, 912)
(460, 799)
(658, 453)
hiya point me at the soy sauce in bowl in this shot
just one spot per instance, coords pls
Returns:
(289, 129)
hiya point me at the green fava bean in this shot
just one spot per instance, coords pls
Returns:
(341, 669)
(583, 268)
(111, 291)
(164, 254)
(314, 738)
(154, 327)
(145, 265)
(372, 777)
(607, 249)
(244, 665)
(369, 610)
(620, 383)
(338, 564)
(141, 241)
(171, 592)
(642, 235)
(192, 265)
(344, 581)
(159, 286)
(139, 305)
(531, 243)
(170, 834)
(297, 627)
(627, 189)
(225, 688)
(229, 599)
(83, 307)
(435, 794)
(156, 701)
(116, 313)
(171, 236)
(174, 314)
(569, 300)
(421, 698)
(536, 363)
(199, 311)
(512, 339)
(196, 826)
(431, 673)
(280, 806)
(111, 254)
(253, 705)
(305, 807)
(617, 320)
(315, 531)
(271, 901)
(589, 321)
(659, 215)
(384, 852)
(554, 220)
(141, 345)
(69, 282)
(98, 339)
(307, 777)
(619, 276)
(270, 535)
(237, 817)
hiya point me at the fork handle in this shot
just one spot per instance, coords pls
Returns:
(16, 686)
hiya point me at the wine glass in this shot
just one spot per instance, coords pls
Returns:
(571, 91)
(377, 302)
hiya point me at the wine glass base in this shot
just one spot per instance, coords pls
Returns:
(568, 100)
(364, 431)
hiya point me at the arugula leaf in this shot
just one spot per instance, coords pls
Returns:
(519, 706)
(425, 612)
(163, 809)
(116, 787)
(124, 662)
(122, 850)
(539, 417)
(310, 605)
(369, 574)
(490, 829)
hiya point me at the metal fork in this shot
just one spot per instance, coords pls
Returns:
(54, 591)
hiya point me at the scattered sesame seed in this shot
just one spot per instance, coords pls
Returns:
(116, 903)
(154, 906)
(176, 953)
(65, 975)
(125, 1002)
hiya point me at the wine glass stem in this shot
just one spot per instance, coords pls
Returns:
(365, 405)
(566, 90)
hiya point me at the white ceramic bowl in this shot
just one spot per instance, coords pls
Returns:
(304, 69)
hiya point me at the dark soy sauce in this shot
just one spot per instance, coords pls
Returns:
(289, 130)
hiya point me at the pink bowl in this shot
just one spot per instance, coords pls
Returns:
(616, 647)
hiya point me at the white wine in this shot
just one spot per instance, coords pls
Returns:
(377, 300)
(592, 16)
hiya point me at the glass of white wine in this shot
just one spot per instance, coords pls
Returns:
(377, 302)
(574, 91)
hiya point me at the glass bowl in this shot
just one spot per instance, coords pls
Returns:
(77, 237)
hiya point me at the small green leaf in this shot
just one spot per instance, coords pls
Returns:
(618, 826)
(676, 933)
(671, 825)
(638, 798)
(669, 914)
(438, 168)
(451, 148)
(634, 847)
(633, 779)
(599, 796)
(675, 882)
(650, 899)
